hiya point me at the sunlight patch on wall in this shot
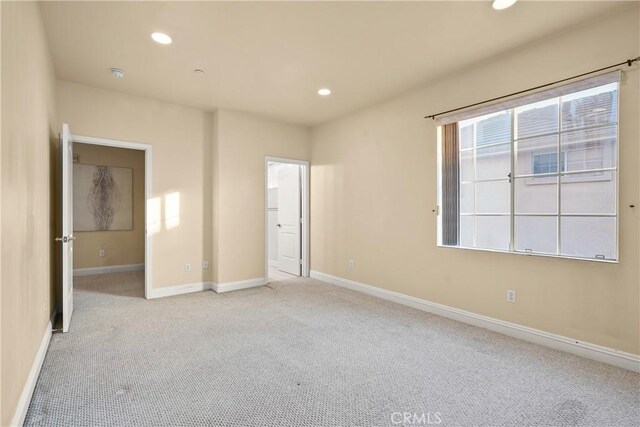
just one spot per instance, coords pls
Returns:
(172, 210)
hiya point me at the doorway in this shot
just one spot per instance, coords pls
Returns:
(286, 218)
(104, 198)
(109, 221)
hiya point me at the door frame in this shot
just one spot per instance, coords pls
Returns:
(147, 194)
(304, 186)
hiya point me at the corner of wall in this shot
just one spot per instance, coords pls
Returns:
(214, 177)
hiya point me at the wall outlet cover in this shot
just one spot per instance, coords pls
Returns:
(511, 296)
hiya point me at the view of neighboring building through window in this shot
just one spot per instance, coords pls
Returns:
(541, 178)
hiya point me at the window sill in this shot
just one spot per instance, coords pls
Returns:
(533, 254)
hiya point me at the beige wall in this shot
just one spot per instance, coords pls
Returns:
(181, 141)
(122, 247)
(27, 157)
(241, 144)
(373, 189)
(212, 162)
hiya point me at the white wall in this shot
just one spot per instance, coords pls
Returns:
(272, 205)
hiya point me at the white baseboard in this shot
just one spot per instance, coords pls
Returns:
(90, 271)
(242, 284)
(179, 289)
(34, 373)
(580, 348)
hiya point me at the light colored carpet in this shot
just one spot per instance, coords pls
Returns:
(305, 353)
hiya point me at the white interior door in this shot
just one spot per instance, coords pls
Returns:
(289, 219)
(67, 238)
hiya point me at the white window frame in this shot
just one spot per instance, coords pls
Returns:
(606, 175)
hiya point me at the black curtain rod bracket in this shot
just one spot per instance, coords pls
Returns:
(628, 62)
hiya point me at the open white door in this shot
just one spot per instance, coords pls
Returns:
(289, 219)
(66, 240)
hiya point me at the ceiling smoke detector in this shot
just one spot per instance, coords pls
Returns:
(117, 73)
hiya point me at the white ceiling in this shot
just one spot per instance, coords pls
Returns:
(271, 58)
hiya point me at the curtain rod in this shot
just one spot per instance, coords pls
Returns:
(628, 62)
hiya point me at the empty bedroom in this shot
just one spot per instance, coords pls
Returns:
(320, 213)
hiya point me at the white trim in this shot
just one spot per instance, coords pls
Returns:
(242, 284)
(110, 142)
(34, 373)
(602, 354)
(273, 263)
(107, 269)
(148, 163)
(438, 208)
(304, 166)
(533, 254)
(179, 289)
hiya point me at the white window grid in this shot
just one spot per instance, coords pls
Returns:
(558, 175)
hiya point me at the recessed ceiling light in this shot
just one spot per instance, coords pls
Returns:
(503, 4)
(161, 38)
(117, 73)
(324, 92)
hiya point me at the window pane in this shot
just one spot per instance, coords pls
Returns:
(564, 199)
(536, 195)
(493, 128)
(588, 237)
(493, 162)
(546, 163)
(590, 148)
(537, 155)
(536, 234)
(466, 165)
(466, 231)
(591, 107)
(493, 232)
(493, 197)
(588, 193)
(466, 198)
(466, 134)
(537, 119)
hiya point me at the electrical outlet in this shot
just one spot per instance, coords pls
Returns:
(101, 253)
(187, 267)
(511, 296)
(350, 264)
(205, 265)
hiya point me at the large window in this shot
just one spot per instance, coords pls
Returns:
(537, 177)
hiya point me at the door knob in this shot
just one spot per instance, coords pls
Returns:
(279, 225)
